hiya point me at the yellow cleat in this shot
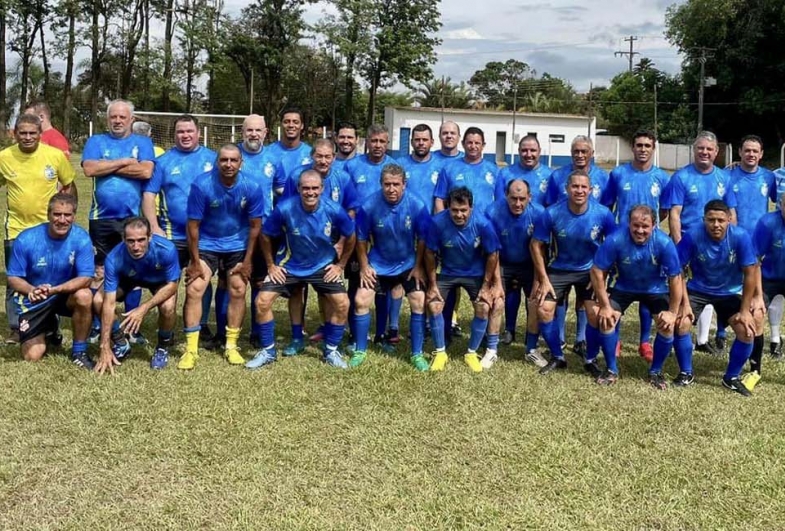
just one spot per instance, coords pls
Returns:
(187, 361)
(750, 380)
(473, 361)
(440, 360)
(233, 356)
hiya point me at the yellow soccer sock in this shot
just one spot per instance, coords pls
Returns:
(192, 342)
(232, 335)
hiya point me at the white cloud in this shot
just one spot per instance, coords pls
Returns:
(469, 34)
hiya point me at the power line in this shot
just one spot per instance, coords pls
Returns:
(631, 53)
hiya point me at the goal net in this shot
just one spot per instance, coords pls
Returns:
(215, 129)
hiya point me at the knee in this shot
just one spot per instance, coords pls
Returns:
(196, 288)
(417, 301)
(435, 307)
(481, 310)
(169, 306)
(264, 301)
(83, 299)
(341, 307)
(34, 352)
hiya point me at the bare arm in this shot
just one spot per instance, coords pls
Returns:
(598, 277)
(101, 168)
(141, 170)
(71, 189)
(148, 209)
(537, 251)
(438, 205)
(132, 321)
(675, 223)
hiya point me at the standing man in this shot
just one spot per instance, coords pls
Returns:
(225, 210)
(145, 129)
(529, 169)
(49, 135)
(574, 229)
(290, 152)
(421, 166)
(465, 246)
(725, 274)
(32, 170)
(307, 257)
(390, 225)
(50, 272)
(449, 139)
(119, 162)
(142, 260)
(345, 143)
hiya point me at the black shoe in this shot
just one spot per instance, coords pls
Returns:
(553, 365)
(775, 349)
(579, 348)
(83, 360)
(255, 341)
(54, 339)
(607, 378)
(683, 379)
(708, 348)
(734, 384)
(592, 368)
(719, 343)
(206, 337)
(507, 338)
(657, 381)
(456, 330)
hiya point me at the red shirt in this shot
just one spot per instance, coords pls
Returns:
(55, 138)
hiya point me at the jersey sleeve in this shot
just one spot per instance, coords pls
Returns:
(685, 249)
(421, 224)
(771, 182)
(85, 258)
(153, 186)
(111, 278)
(745, 250)
(273, 225)
(197, 203)
(92, 149)
(351, 199)
(146, 151)
(344, 223)
(65, 172)
(279, 177)
(542, 228)
(605, 256)
(257, 207)
(363, 223)
(442, 188)
(669, 259)
(761, 238)
(501, 184)
(173, 264)
(552, 191)
(611, 190)
(609, 223)
(432, 237)
(676, 197)
(17, 266)
(490, 242)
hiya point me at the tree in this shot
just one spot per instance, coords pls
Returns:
(496, 83)
(444, 93)
(3, 95)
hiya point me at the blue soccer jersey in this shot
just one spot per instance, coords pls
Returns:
(537, 179)
(40, 259)
(392, 231)
(307, 245)
(557, 184)
(691, 190)
(263, 168)
(115, 196)
(779, 182)
(160, 265)
(224, 213)
(574, 238)
(635, 268)
(514, 232)
(174, 173)
(441, 157)
(421, 177)
(338, 187)
(462, 251)
(288, 160)
(366, 174)
(716, 266)
(628, 187)
(479, 177)
(751, 193)
(769, 242)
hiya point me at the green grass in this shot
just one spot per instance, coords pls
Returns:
(301, 446)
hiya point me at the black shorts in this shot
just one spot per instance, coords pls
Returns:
(384, 283)
(772, 288)
(43, 319)
(515, 277)
(562, 281)
(258, 266)
(316, 280)
(352, 272)
(725, 305)
(183, 256)
(655, 302)
(221, 262)
(127, 285)
(472, 285)
(105, 234)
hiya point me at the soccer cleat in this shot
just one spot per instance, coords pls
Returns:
(160, 359)
(508, 337)
(657, 381)
(719, 343)
(317, 336)
(357, 359)
(351, 347)
(297, 346)
(593, 369)
(750, 380)
(121, 349)
(137, 339)
(708, 348)
(684, 379)
(735, 385)
(333, 358)
(95, 336)
(12, 338)
(775, 350)
(555, 364)
(473, 361)
(82, 360)
(534, 356)
(457, 331)
(233, 356)
(579, 348)
(392, 336)
(607, 378)
(439, 361)
(419, 362)
(54, 339)
(207, 340)
(187, 361)
(489, 359)
(646, 352)
(261, 358)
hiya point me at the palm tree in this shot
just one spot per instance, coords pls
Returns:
(443, 93)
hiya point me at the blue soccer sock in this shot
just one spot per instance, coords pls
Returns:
(682, 346)
(395, 312)
(551, 335)
(297, 332)
(78, 347)
(478, 331)
(531, 341)
(561, 321)
(437, 331)
(580, 324)
(207, 301)
(645, 319)
(362, 324)
(267, 334)
(333, 336)
(512, 303)
(221, 310)
(592, 343)
(739, 354)
(608, 342)
(722, 333)
(493, 342)
(417, 331)
(662, 347)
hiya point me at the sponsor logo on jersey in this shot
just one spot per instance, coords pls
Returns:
(41, 262)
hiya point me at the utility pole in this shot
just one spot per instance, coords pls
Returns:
(703, 82)
(591, 107)
(655, 109)
(514, 112)
(631, 53)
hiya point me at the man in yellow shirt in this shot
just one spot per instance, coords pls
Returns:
(31, 170)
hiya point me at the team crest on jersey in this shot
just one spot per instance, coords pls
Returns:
(476, 242)
(407, 223)
(41, 262)
(655, 190)
(328, 229)
(208, 166)
(543, 186)
(595, 191)
(72, 258)
(764, 190)
(243, 202)
(720, 189)
(269, 170)
(530, 229)
(732, 257)
(595, 232)
(489, 178)
(49, 173)
(434, 176)
(135, 152)
(335, 195)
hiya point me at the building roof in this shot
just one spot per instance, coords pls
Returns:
(490, 112)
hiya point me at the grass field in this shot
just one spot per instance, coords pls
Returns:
(301, 446)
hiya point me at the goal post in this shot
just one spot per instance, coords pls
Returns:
(215, 129)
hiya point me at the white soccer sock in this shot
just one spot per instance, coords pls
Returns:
(775, 317)
(704, 324)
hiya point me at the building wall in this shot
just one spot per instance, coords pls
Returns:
(610, 149)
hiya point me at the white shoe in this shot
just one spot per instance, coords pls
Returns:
(489, 359)
(536, 358)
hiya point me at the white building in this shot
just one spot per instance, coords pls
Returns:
(554, 131)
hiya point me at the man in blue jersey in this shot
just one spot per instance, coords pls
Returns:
(345, 144)
(449, 140)
(462, 241)
(724, 273)
(49, 273)
(574, 230)
(646, 270)
(165, 196)
(391, 225)
(307, 226)
(119, 163)
(290, 151)
(225, 210)
(513, 218)
(635, 183)
(689, 189)
(142, 260)
(529, 169)
(421, 166)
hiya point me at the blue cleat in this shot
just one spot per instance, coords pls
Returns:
(334, 359)
(137, 339)
(121, 349)
(263, 357)
(82, 360)
(95, 336)
(297, 346)
(160, 359)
